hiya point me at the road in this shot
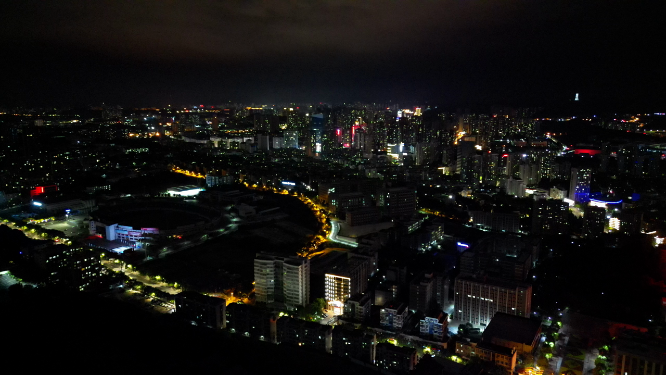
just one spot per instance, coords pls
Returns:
(334, 237)
(135, 275)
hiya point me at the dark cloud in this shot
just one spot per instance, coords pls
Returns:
(462, 51)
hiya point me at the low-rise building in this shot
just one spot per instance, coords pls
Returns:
(513, 331)
(307, 334)
(358, 307)
(356, 344)
(201, 309)
(395, 359)
(434, 327)
(489, 352)
(393, 315)
(250, 321)
(499, 355)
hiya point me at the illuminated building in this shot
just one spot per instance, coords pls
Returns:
(39, 190)
(337, 290)
(136, 223)
(435, 326)
(77, 268)
(392, 315)
(344, 279)
(478, 299)
(489, 352)
(185, 191)
(282, 280)
(579, 188)
(594, 221)
(201, 309)
(515, 187)
(549, 216)
(631, 221)
(341, 202)
(315, 140)
(496, 221)
(529, 173)
(290, 138)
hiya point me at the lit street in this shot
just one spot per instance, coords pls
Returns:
(135, 275)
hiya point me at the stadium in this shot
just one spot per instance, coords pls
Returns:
(131, 222)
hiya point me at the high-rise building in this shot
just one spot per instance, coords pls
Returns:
(549, 216)
(594, 221)
(284, 280)
(290, 138)
(399, 201)
(579, 188)
(345, 279)
(429, 292)
(529, 173)
(478, 299)
(515, 187)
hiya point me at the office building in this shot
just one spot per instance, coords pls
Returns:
(201, 309)
(478, 299)
(282, 280)
(344, 279)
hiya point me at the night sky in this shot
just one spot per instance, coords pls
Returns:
(449, 52)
